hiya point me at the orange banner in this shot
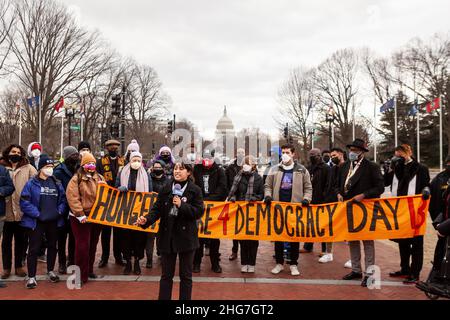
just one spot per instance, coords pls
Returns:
(387, 218)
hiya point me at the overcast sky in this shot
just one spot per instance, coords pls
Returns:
(238, 52)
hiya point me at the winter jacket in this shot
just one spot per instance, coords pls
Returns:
(158, 183)
(82, 192)
(438, 187)
(231, 172)
(20, 176)
(6, 189)
(320, 179)
(177, 233)
(217, 182)
(30, 202)
(367, 180)
(258, 188)
(416, 174)
(301, 185)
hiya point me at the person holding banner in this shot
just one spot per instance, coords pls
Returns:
(359, 179)
(408, 177)
(81, 194)
(288, 182)
(134, 177)
(211, 179)
(247, 186)
(178, 207)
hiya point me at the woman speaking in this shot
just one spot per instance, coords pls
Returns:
(179, 205)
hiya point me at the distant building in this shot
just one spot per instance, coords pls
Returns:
(225, 135)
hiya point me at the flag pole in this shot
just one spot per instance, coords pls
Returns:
(416, 105)
(62, 134)
(395, 120)
(40, 121)
(441, 155)
(375, 125)
(353, 116)
(20, 125)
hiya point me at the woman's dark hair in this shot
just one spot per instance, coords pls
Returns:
(5, 155)
(186, 166)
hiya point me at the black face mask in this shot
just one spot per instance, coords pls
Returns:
(15, 158)
(326, 159)
(112, 153)
(71, 163)
(314, 160)
(335, 160)
(158, 172)
(166, 158)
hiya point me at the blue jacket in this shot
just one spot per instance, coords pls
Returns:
(30, 203)
(63, 174)
(6, 188)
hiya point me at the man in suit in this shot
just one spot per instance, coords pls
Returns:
(360, 179)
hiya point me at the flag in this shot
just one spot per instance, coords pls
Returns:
(33, 102)
(59, 104)
(414, 109)
(433, 105)
(388, 105)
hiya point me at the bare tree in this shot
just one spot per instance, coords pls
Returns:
(297, 99)
(53, 55)
(336, 85)
(7, 20)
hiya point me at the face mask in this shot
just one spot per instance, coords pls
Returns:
(326, 159)
(247, 168)
(166, 158)
(335, 160)
(207, 163)
(36, 153)
(353, 156)
(48, 172)
(90, 167)
(286, 158)
(314, 160)
(158, 172)
(14, 158)
(136, 165)
(113, 153)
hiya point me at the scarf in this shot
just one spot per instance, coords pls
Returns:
(141, 180)
(237, 181)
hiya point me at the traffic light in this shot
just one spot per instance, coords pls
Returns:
(286, 131)
(170, 127)
(116, 105)
(114, 128)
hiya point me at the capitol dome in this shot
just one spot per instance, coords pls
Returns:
(225, 124)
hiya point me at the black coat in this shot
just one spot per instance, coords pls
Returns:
(438, 187)
(367, 180)
(331, 195)
(258, 188)
(416, 169)
(158, 184)
(231, 172)
(320, 179)
(180, 233)
(217, 182)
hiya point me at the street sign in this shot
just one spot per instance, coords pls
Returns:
(75, 127)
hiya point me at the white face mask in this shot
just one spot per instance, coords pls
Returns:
(36, 153)
(48, 172)
(247, 168)
(285, 158)
(136, 165)
(191, 156)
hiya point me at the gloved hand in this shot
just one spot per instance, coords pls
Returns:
(123, 189)
(232, 199)
(305, 203)
(426, 193)
(268, 200)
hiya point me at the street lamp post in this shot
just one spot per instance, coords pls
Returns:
(330, 118)
(70, 113)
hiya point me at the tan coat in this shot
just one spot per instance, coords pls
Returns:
(81, 196)
(20, 177)
(301, 185)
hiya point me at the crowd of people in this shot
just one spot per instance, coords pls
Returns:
(44, 205)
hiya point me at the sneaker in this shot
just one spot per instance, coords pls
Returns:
(326, 258)
(42, 258)
(53, 277)
(251, 269)
(348, 264)
(31, 283)
(294, 270)
(278, 268)
(232, 256)
(244, 269)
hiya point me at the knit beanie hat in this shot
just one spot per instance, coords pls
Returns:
(133, 146)
(69, 151)
(87, 158)
(135, 154)
(36, 146)
(44, 160)
(84, 145)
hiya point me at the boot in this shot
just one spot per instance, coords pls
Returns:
(20, 272)
(127, 269)
(6, 274)
(137, 267)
